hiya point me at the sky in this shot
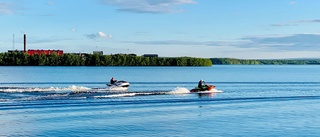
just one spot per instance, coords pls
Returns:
(243, 29)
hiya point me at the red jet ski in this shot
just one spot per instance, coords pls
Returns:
(204, 89)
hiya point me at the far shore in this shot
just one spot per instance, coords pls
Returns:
(233, 61)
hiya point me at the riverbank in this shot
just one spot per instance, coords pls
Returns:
(232, 61)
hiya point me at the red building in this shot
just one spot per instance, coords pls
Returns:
(46, 52)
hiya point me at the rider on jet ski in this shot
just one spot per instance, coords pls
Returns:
(202, 85)
(112, 81)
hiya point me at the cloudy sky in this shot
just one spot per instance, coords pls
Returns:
(246, 29)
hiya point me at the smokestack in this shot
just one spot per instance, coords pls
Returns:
(25, 43)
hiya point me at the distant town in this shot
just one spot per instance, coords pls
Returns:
(60, 52)
(47, 57)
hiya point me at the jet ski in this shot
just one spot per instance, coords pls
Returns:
(120, 83)
(204, 89)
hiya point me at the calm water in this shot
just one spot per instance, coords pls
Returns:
(73, 101)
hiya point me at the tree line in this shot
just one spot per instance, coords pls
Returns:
(232, 61)
(68, 59)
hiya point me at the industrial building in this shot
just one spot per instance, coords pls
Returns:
(150, 55)
(98, 52)
(46, 52)
(33, 51)
(60, 52)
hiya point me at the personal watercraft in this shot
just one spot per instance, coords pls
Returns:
(120, 83)
(204, 89)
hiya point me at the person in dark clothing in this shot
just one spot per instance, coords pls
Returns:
(200, 84)
(112, 81)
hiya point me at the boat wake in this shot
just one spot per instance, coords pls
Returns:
(44, 89)
(78, 92)
(179, 90)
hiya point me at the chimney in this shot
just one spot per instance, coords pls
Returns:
(25, 43)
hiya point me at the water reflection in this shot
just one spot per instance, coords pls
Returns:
(206, 95)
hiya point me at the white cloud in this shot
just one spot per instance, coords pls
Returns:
(50, 3)
(99, 35)
(295, 42)
(189, 43)
(274, 43)
(295, 23)
(6, 8)
(284, 24)
(74, 30)
(148, 6)
(292, 2)
(309, 21)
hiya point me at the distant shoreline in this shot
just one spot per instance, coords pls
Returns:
(233, 61)
(68, 59)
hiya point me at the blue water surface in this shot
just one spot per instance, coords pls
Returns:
(71, 101)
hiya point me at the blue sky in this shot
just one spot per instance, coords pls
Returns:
(245, 29)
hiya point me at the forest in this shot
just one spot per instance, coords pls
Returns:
(232, 61)
(68, 59)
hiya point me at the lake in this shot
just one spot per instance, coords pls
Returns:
(73, 101)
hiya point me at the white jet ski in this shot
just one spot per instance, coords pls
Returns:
(119, 85)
